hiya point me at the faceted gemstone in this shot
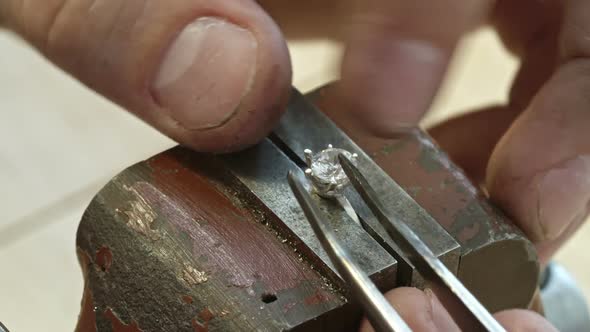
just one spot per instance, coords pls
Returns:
(326, 168)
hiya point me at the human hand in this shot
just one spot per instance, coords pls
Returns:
(533, 154)
(423, 312)
(214, 74)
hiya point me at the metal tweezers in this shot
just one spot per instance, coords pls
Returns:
(383, 317)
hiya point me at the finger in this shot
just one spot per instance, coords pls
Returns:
(422, 311)
(212, 74)
(519, 320)
(525, 22)
(470, 138)
(309, 19)
(540, 170)
(397, 53)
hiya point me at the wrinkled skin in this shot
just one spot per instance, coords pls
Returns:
(214, 75)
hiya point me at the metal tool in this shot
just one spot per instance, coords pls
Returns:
(380, 313)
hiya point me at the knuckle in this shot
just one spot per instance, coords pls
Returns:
(52, 22)
(36, 21)
(575, 32)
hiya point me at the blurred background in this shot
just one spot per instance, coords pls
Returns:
(60, 143)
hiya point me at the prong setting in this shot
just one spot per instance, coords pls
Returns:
(325, 173)
(308, 156)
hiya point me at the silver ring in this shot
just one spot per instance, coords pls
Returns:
(325, 173)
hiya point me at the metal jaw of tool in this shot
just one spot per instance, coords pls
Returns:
(381, 314)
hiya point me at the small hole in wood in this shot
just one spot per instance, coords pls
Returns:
(268, 297)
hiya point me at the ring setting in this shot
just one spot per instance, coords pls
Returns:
(325, 172)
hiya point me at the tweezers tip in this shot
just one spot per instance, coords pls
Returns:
(342, 158)
(348, 166)
(296, 184)
(292, 178)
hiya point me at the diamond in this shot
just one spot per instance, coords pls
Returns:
(325, 171)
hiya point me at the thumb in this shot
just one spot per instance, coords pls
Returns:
(211, 74)
(422, 311)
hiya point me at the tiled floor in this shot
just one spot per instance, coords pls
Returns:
(59, 143)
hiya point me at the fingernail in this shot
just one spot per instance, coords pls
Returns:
(563, 196)
(206, 72)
